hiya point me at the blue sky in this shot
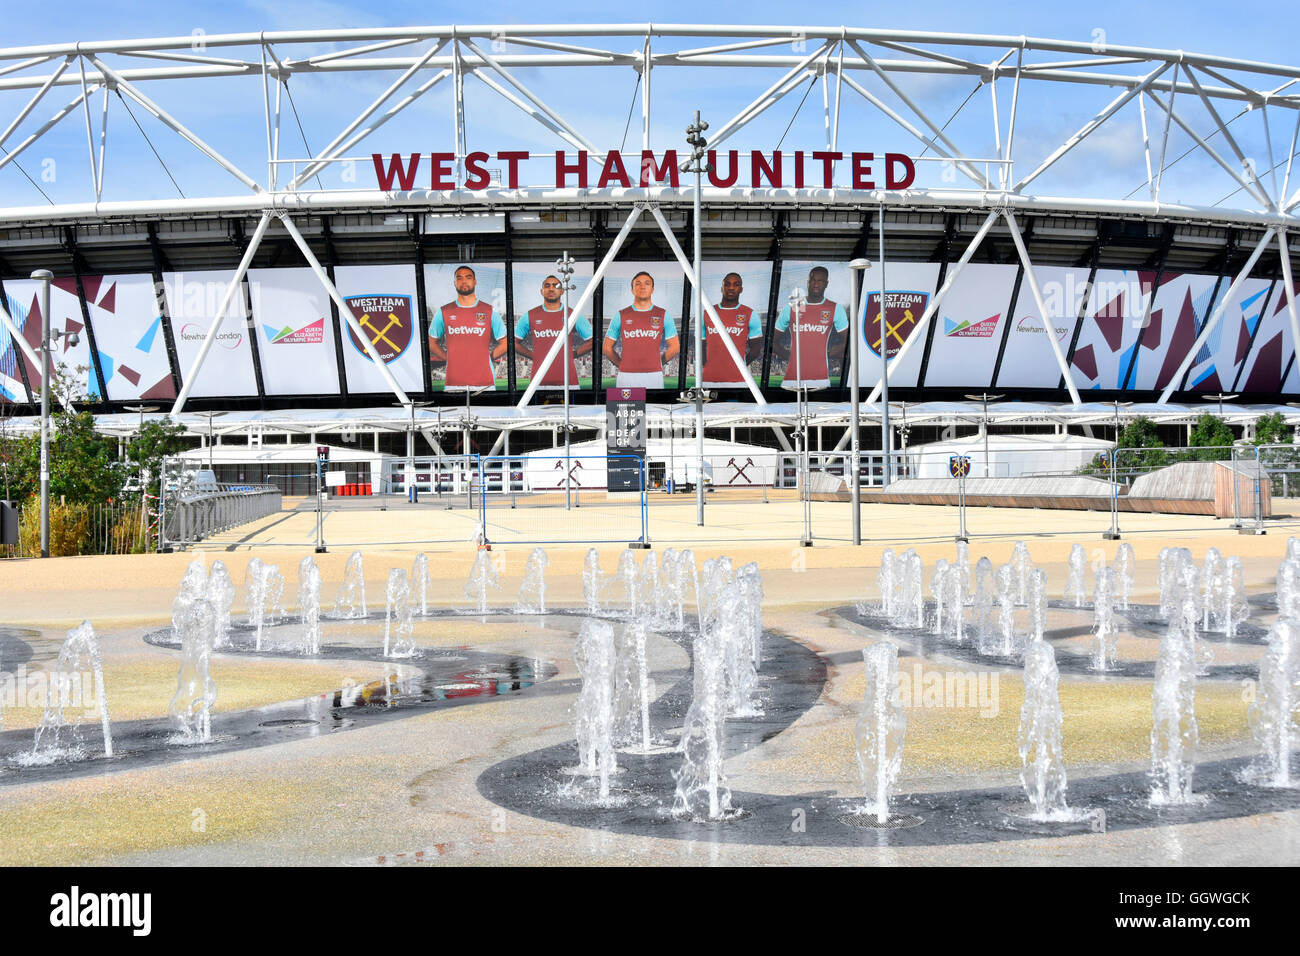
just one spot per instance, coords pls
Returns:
(228, 113)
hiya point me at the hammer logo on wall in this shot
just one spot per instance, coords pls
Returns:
(902, 311)
(385, 320)
(740, 470)
(959, 465)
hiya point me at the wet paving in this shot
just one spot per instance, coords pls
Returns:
(1138, 621)
(541, 784)
(429, 680)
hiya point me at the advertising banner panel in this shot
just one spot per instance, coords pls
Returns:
(1181, 304)
(382, 300)
(466, 304)
(911, 285)
(192, 301)
(295, 329)
(538, 314)
(127, 321)
(1273, 349)
(969, 325)
(1028, 361)
(643, 328)
(739, 293)
(72, 363)
(1112, 322)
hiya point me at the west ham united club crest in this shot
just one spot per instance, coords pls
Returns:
(386, 321)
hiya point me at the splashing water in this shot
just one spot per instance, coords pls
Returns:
(1023, 564)
(910, 607)
(1211, 587)
(592, 581)
(221, 592)
(985, 591)
(594, 657)
(1274, 713)
(196, 692)
(749, 583)
(421, 582)
(309, 605)
(399, 628)
(887, 583)
(1076, 588)
(532, 593)
(69, 695)
(1174, 733)
(1006, 609)
(629, 576)
(881, 729)
(1288, 589)
(962, 564)
(702, 791)
(939, 591)
(482, 576)
(351, 600)
(1042, 765)
(1125, 568)
(1037, 604)
(1104, 634)
(1171, 560)
(647, 587)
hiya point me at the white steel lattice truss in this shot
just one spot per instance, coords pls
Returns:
(1175, 97)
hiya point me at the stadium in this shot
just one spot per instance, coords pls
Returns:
(1153, 300)
(459, 292)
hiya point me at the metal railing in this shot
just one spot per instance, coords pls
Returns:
(190, 513)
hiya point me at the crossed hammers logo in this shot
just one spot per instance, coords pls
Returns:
(382, 334)
(740, 470)
(577, 465)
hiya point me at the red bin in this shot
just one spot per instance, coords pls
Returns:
(366, 489)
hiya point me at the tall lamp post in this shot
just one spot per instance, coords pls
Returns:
(49, 339)
(857, 267)
(1113, 533)
(797, 303)
(884, 360)
(564, 266)
(985, 398)
(695, 138)
(140, 475)
(410, 443)
(211, 436)
(1219, 397)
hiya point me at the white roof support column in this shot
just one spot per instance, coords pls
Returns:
(936, 129)
(1215, 316)
(1089, 127)
(332, 150)
(188, 384)
(36, 98)
(1245, 183)
(935, 302)
(344, 309)
(557, 347)
(1289, 291)
(712, 314)
(168, 120)
(48, 124)
(791, 79)
(568, 132)
(1049, 328)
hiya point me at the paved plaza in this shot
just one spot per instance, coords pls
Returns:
(475, 783)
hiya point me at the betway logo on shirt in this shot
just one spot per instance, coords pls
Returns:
(810, 327)
(641, 334)
(466, 329)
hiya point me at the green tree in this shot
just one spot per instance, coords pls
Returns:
(1211, 439)
(1140, 450)
(153, 442)
(1273, 430)
(83, 463)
